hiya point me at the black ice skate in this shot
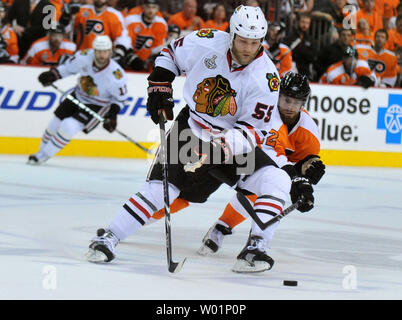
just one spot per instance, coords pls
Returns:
(253, 257)
(102, 247)
(212, 241)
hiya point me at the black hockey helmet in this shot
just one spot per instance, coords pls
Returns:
(295, 85)
(3, 7)
(58, 28)
(151, 2)
(350, 52)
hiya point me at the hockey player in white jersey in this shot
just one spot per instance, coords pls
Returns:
(231, 91)
(101, 87)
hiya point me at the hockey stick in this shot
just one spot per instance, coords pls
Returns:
(172, 266)
(98, 117)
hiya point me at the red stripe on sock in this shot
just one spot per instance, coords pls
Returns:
(143, 210)
(269, 204)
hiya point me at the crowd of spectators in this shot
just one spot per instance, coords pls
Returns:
(351, 42)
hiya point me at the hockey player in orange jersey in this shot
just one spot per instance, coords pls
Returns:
(350, 71)
(147, 32)
(98, 19)
(50, 50)
(382, 61)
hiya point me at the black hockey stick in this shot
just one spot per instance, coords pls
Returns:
(98, 117)
(172, 266)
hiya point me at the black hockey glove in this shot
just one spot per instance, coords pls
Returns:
(160, 99)
(118, 55)
(110, 122)
(302, 189)
(68, 10)
(312, 168)
(133, 62)
(365, 82)
(48, 77)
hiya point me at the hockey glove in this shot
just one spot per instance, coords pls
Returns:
(133, 62)
(48, 77)
(160, 99)
(110, 122)
(365, 82)
(302, 189)
(312, 168)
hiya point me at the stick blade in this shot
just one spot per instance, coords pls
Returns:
(175, 267)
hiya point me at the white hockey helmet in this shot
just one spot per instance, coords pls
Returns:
(102, 43)
(248, 22)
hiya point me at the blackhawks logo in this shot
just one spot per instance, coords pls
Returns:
(84, 52)
(206, 33)
(88, 86)
(118, 74)
(273, 81)
(215, 97)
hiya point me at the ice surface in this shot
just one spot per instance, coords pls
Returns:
(49, 214)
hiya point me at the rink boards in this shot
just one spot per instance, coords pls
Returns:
(358, 127)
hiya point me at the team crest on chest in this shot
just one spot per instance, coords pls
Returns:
(215, 97)
(206, 33)
(273, 81)
(88, 86)
(118, 74)
(210, 62)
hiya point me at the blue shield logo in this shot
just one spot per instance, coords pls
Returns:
(390, 119)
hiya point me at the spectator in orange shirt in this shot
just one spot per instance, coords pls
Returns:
(372, 16)
(350, 71)
(8, 39)
(51, 50)
(219, 21)
(395, 35)
(279, 53)
(187, 20)
(398, 53)
(147, 32)
(382, 61)
(392, 20)
(363, 34)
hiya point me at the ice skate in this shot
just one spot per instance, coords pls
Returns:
(212, 241)
(253, 257)
(102, 247)
(35, 161)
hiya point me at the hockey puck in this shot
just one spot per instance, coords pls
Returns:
(292, 283)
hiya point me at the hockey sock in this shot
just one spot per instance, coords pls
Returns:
(52, 127)
(233, 217)
(138, 210)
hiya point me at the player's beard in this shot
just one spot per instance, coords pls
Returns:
(243, 60)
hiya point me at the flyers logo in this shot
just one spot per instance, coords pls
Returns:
(143, 42)
(206, 33)
(215, 97)
(95, 26)
(376, 65)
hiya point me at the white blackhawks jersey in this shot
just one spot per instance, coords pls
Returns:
(243, 100)
(101, 87)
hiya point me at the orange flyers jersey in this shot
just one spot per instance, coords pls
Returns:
(384, 63)
(212, 25)
(39, 54)
(10, 37)
(336, 73)
(284, 65)
(146, 39)
(304, 138)
(394, 40)
(89, 25)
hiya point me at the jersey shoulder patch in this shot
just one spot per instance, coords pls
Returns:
(118, 74)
